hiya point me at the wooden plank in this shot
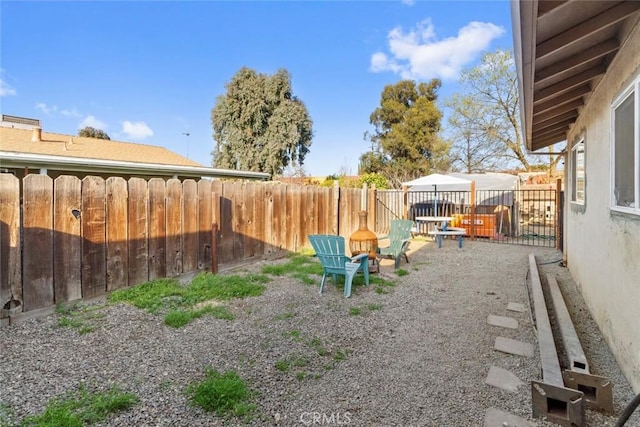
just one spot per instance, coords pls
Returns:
(94, 250)
(268, 223)
(249, 229)
(157, 229)
(259, 206)
(310, 215)
(38, 242)
(335, 215)
(294, 222)
(138, 234)
(67, 239)
(174, 221)
(278, 217)
(190, 226)
(10, 259)
(586, 28)
(238, 221)
(215, 232)
(205, 221)
(117, 231)
(226, 221)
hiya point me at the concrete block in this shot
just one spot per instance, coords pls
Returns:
(519, 348)
(503, 379)
(502, 321)
(495, 417)
(516, 306)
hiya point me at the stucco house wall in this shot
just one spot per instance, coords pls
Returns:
(602, 247)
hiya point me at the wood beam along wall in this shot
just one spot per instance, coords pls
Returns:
(84, 238)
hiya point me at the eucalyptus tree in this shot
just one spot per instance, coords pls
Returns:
(406, 142)
(259, 125)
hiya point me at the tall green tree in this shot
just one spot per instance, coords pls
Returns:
(91, 132)
(259, 125)
(406, 142)
(485, 119)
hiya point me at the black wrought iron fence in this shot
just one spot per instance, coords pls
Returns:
(528, 217)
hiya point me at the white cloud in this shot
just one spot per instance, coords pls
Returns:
(46, 109)
(71, 113)
(6, 89)
(408, 2)
(419, 55)
(93, 122)
(137, 130)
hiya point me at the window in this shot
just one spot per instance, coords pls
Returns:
(577, 178)
(625, 176)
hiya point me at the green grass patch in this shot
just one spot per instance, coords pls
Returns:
(226, 394)
(83, 318)
(285, 365)
(401, 272)
(374, 307)
(284, 316)
(180, 317)
(82, 408)
(176, 302)
(355, 311)
(300, 266)
(295, 334)
(341, 355)
(316, 343)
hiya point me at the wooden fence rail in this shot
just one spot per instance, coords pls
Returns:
(68, 239)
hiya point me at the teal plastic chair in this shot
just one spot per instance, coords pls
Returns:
(399, 238)
(330, 250)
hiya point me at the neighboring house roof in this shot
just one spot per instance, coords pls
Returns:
(18, 149)
(55, 144)
(562, 51)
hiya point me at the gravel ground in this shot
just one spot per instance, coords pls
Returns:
(417, 356)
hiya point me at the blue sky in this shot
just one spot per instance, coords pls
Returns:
(150, 71)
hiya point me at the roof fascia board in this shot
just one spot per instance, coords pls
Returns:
(524, 23)
(14, 159)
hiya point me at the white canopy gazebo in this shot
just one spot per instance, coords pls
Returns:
(433, 181)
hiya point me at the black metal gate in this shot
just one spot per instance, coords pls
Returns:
(525, 217)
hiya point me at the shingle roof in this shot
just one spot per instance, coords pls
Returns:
(54, 144)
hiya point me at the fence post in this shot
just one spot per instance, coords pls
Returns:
(557, 215)
(372, 207)
(473, 210)
(405, 197)
(335, 221)
(214, 248)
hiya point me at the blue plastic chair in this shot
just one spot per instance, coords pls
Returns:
(399, 239)
(330, 250)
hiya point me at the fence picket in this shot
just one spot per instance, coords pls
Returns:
(116, 233)
(138, 234)
(205, 220)
(38, 242)
(157, 229)
(94, 251)
(67, 239)
(190, 226)
(174, 227)
(10, 259)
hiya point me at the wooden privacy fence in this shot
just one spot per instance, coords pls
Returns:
(68, 239)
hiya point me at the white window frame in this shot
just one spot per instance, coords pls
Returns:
(632, 90)
(574, 173)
